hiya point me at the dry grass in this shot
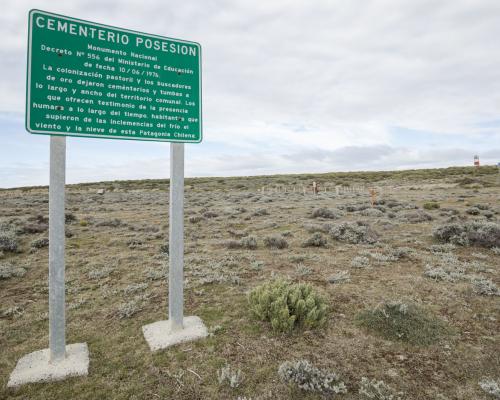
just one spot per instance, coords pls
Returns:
(115, 257)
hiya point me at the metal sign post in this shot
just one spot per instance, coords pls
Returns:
(59, 360)
(177, 328)
(57, 320)
(176, 238)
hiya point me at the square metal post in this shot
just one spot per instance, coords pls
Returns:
(59, 361)
(177, 328)
(176, 238)
(57, 316)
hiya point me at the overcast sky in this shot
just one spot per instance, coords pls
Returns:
(289, 86)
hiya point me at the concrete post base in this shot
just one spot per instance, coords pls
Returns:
(159, 335)
(36, 367)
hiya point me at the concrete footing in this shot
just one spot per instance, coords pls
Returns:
(159, 335)
(36, 367)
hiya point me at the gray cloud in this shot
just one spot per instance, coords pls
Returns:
(321, 79)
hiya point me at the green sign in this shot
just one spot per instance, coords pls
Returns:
(93, 80)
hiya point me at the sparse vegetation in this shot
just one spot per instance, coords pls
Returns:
(230, 377)
(377, 390)
(100, 273)
(107, 280)
(309, 378)
(339, 277)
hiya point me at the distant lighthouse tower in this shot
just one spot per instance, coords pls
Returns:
(476, 161)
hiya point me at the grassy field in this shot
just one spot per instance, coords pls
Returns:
(418, 313)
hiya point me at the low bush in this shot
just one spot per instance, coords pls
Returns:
(479, 233)
(309, 378)
(431, 205)
(354, 232)
(36, 224)
(303, 270)
(129, 309)
(257, 265)
(360, 262)
(377, 390)
(403, 322)
(230, 377)
(8, 241)
(69, 218)
(134, 288)
(249, 242)
(316, 240)
(372, 212)
(491, 387)
(288, 305)
(40, 243)
(275, 242)
(485, 287)
(313, 228)
(8, 270)
(260, 212)
(473, 211)
(100, 273)
(113, 223)
(165, 248)
(195, 219)
(440, 273)
(415, 216)
(340, 277)
(326, 213)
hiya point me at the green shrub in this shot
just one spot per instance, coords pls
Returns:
(431, 205)
(404, 322)
(287, 305)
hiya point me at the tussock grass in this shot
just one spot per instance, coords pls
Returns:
(403, 322)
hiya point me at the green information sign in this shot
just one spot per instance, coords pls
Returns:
(93, 80)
